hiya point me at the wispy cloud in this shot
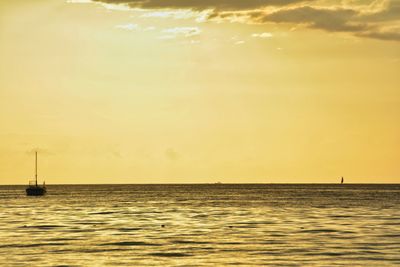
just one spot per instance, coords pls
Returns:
(79, 1)
(240, 42)
(179, 14)
(129, 26)
(117, 7)
(180, 32)
(262, 35)
(202, 4)
(176, 14)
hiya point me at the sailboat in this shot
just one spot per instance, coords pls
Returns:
(342, 181)
(34, 189)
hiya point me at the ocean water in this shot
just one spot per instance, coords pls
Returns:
(201, 225)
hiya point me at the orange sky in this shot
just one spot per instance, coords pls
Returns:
(231, 91)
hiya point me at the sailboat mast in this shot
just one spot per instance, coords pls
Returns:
(36, 167)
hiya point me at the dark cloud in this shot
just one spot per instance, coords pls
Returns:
(360, 22)
(203, 4)
(325, 19)
(340, 20)
(388, 35)
(390, 13)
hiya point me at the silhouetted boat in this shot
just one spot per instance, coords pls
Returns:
(34, 189)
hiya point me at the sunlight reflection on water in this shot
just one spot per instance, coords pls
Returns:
(195, 225)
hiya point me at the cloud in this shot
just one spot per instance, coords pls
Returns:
(262, 35)
(383, 24)
(199, 16)
(363, 19)
(180, 32)
(79, 1)
(129, 26)
(135, 27)
(370, 21)
(354, 21)
(387, 11)
(393, 35)
(325, 19)
(240, 42)
(201, 4)
(176, 14)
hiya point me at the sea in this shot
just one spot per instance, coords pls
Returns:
(202, 225)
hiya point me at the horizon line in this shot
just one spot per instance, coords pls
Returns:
(210, 183)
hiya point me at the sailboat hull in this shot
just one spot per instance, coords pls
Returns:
(36, 191)
(33, 188)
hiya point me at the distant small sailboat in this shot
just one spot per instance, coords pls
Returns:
(341, 182)
(34, 189)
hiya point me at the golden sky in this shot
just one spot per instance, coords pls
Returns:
(198, 91)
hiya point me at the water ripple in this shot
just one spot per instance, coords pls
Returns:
(201, 225)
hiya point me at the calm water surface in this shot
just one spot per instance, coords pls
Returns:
(201, 225)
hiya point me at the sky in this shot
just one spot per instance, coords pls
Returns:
(198, 91)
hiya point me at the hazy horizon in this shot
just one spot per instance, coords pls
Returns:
(211, 183)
